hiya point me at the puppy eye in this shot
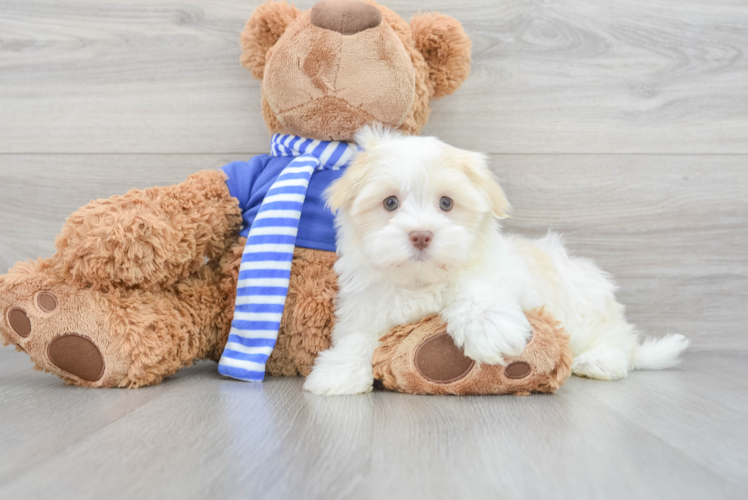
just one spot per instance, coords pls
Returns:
(445, 203)
(391, 203)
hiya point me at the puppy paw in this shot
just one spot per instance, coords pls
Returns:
(493, 334)
(338, 381)
(343, 369)
(601, 363)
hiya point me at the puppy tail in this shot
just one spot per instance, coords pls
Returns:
(658, 354)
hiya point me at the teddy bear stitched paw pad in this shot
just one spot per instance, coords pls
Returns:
(421, 358)
(63, 330)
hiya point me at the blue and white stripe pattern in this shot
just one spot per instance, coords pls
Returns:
(266, 262)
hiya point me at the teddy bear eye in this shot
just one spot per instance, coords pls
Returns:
(446, 203)
(391, 203)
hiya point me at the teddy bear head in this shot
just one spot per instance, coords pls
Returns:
(343, 64)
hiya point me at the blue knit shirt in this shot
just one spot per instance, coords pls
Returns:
(249, 182)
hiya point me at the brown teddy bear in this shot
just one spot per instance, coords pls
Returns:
(146, 283)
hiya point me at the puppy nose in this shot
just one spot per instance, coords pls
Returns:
(345, 16)
(421, 239)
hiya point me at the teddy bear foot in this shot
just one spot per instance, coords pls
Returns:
(63, 330)
(421, 358)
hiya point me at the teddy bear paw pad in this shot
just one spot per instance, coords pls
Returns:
(46, 301)
(19, 322)
(517, 370)
(440, 361)
(18, 319)
(77, 355)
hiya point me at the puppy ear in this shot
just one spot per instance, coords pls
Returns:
(263, 29)
(446, 48)
(475, 166)
(343, 191)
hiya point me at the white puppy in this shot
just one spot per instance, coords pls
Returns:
(418, 234)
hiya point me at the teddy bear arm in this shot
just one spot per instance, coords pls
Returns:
(421, 358)
(149, 238)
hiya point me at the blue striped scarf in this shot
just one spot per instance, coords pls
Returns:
(266, 262)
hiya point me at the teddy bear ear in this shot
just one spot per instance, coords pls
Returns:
(446, 48)
(263, 29)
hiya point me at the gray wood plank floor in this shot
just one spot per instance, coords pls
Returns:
(622, 123)
(672, 434)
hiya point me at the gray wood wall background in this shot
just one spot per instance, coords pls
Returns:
(622, 123)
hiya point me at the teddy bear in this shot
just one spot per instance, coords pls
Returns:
(145, 283)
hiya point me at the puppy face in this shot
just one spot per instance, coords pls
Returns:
(415, 206)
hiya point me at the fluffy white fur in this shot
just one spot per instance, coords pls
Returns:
(477, 278)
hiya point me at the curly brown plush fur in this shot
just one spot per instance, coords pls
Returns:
(446, 49)
(263, 30)
(148, 238)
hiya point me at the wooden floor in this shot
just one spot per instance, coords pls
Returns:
(674, 434)
(622, 123)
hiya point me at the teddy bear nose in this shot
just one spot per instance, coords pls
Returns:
(421, 239)
(345, 16)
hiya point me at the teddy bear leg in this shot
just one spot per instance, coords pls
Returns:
(149, 238)
(121, 338)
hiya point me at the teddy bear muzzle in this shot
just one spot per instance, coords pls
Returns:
(346, 17)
